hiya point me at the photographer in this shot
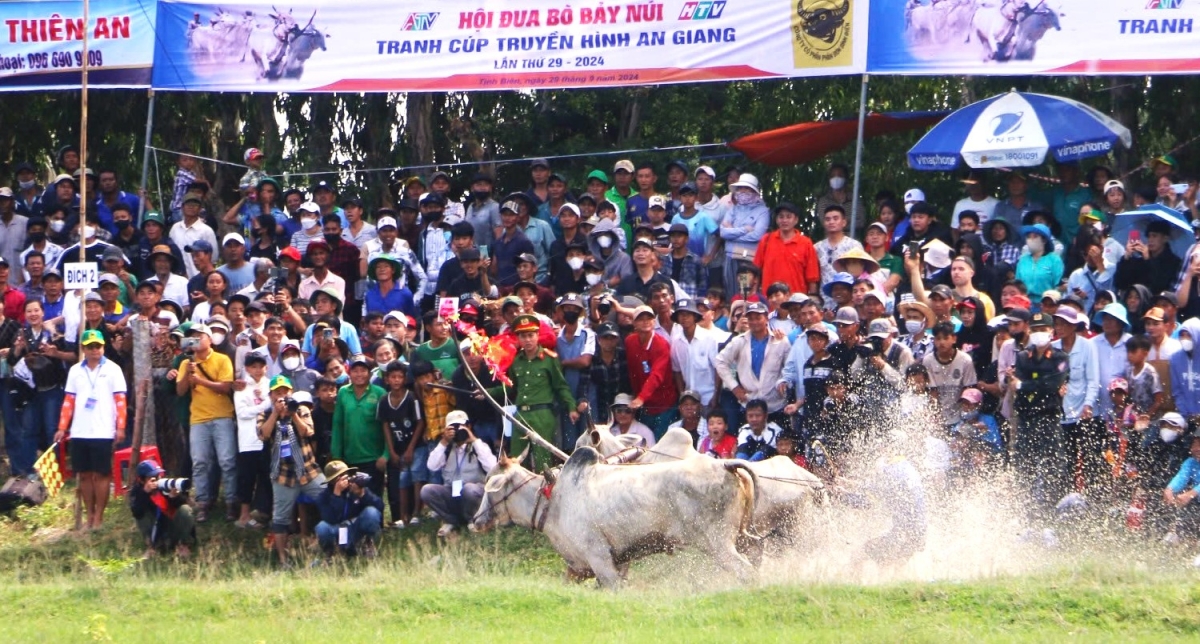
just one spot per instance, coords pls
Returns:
(464, 462)
(288, 429)
(162, 516)
(351, 514)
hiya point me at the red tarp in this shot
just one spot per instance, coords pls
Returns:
(807, 142)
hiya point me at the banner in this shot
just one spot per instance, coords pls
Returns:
(1010, 37)
(461, 45)
(42, 44)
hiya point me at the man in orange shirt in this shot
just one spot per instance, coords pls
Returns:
(787, 255)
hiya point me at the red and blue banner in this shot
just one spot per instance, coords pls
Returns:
(41, 44)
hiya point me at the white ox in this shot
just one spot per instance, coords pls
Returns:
(225, 38)
(601, 517)
(786, 492)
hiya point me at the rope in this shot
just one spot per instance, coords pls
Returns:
(459, 164)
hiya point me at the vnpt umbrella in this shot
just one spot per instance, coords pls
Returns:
(1017, 130)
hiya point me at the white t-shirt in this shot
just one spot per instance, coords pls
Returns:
(95, 409)
(983, 208)
(248, 404)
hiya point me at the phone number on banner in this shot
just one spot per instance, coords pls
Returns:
(51, 60)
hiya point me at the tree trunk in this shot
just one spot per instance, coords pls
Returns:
(419, 123)
(1125, 94)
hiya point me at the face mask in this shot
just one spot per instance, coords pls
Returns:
(1035, 244)
(970, 416)
(1168, 434)
(332, 239)
(914, 326)
(291, 363)
(1187, 344)
(593, 278)
(742, 198)
(570, 317)
(1039, 339)
(342, 379)
(57, 225)
(25, 185)
(218, 338)
(837, 183)
(37, 238)
(308, 224)
(605, 241)
(575, 263)
(480, 195)
(89, 232)
(123, 224)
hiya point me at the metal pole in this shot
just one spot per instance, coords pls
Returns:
(858, 151)
(146, 158)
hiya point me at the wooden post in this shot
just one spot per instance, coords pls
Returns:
(139, 416)
(83, 122)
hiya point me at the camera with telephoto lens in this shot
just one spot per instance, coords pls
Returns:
(605, 303)
(360, 479)
(461, 434)
(292, 404)
(167, 486)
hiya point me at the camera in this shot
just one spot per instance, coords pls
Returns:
(189, 345)
(279, 274)
(166, 486)
(605, 304)
(830, 405)
(461, 434)
(360, 479)
(292, 404)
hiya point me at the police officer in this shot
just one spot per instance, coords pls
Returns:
(1038, 383)
(538, 378)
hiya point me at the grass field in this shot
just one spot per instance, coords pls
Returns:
(508, 586)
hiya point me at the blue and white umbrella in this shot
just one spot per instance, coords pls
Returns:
(1181, 231)
(1017, 130)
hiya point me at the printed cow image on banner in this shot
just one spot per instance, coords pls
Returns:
(1005, 37)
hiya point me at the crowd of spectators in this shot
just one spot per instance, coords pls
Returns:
(299, 328)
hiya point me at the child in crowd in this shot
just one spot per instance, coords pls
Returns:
(719, 307)
(322, 415)
(718, 443)
(756, 439)
(1145, 385)
(400, 414)
(253, 476)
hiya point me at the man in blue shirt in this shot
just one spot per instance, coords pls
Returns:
(511, 244)
(637, 207)
(1066, 199)
(576, 345)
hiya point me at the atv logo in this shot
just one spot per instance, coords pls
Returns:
(420, 21)
(1164, 4)
(821, 32)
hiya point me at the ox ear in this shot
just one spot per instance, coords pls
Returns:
(594, 435)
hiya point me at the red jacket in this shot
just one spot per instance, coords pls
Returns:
(793, 262)
(650, 372)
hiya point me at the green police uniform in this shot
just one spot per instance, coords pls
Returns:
(538, 382)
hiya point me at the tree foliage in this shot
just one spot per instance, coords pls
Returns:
(348, 134)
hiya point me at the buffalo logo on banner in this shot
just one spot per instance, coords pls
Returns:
(821, 33)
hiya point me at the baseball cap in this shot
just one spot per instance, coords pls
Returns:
(706, 170)
(678, 228)
(1070, 316)
(642, 310)
(943, 291)
(457, 417)
(623, 164)
(607, 330)
(598, 175)
(92, 296)
(571, 207)
(877, 294)
(199, 327)
(1113, 183)
(914, 195)
(570, 299)
(879, 329)
(278, 382)
(321, 185)
(657, 201)
(526, 258)
(291, 252)
(149, 468)
(310, 206)
(108, 278)
(386, 222)
(253, 153)
(756, 307)
(199, 246)
(1168, 297)
(539, 163)
(233, 237)
(1155, 313)
(688, 188)
(153, 217)
(359, 360)
(1040, 319)
(469, 255)
(113, 252)
(689, 393)
(6, 193)
(846, 315)
(1053, 295)
(971, 395)
(1118, 383)
(937, 253)
(92, 336)
(1018, 314)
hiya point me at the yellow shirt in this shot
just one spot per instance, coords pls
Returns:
(207, 404)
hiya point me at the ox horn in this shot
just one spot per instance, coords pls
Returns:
(524, 454)
(310, 21)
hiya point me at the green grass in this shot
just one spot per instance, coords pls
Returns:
(509, 586)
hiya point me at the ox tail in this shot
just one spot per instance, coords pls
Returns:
(751, 502)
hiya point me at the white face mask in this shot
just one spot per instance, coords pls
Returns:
(1039, 339)
(837, 183)
(25, 185)
(218, 338)
(1035, 244)
(291, 363)
(605, 241)
(57, 225)
(1187, 344)
(1168, 434)
(914, 326)
(308, 224)
(575, 263)
(593, 278)
(89, 232)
